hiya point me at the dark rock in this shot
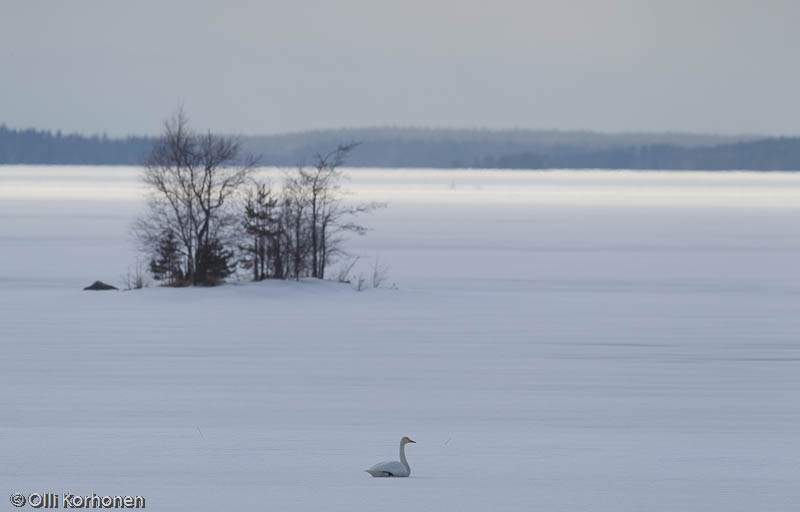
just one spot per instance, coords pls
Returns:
(100, 285)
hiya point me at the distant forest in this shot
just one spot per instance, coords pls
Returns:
(443, 149)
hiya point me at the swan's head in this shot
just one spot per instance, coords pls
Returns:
(406, 440)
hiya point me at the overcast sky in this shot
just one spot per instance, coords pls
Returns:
(121, 67)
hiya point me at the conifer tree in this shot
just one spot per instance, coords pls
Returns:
(167, 262)
(261, 248)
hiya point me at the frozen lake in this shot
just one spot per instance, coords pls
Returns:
(558, 340)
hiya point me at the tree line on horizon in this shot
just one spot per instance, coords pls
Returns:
(43, 147)
(421, 148)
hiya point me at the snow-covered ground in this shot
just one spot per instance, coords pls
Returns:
(607, 341)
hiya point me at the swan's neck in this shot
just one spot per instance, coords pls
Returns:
(403, 460)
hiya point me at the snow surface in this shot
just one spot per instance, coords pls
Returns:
(600, 341)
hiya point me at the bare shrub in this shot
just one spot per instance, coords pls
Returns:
(135, 278)
(343, 276)
(380, 273)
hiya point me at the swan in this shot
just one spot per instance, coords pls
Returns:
(393, 468)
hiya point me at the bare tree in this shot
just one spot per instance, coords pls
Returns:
(319, 206)
(294, 228)
(191, 180)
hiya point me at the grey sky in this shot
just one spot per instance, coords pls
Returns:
(265, 67)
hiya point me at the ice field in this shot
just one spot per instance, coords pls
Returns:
(556, 340)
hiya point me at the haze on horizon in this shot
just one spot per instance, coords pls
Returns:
(121, 68)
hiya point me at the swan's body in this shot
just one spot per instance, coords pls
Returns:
(389, 468)
(393, 468)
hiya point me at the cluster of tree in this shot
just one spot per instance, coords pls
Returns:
(208, 214)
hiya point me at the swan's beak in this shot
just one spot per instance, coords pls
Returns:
(412, 441)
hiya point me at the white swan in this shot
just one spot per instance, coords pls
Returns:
(393, 468)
